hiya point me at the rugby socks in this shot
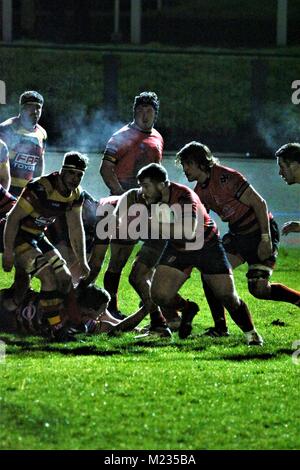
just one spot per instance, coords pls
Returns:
(170, 314)
(242, 317)
(216, 307)
(157, 318)
(179, 302)
(282, 293)
(51, 304)
(111, 283)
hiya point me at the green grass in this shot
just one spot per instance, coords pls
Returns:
(123, 393)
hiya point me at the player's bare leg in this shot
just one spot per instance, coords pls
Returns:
(20, 286)
(95, 262)
(165, 285)
(261, 288)
(223, 287)
(120, 254)
(140, 278)
(216, 307)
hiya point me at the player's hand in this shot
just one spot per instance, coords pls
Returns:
(85, 270)
(291, 226)
(265, 249)
(7, 261)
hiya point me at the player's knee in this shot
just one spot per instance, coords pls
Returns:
(258, 288)
(139, 274)
(47, 279)
(230, 301)
(258, 282)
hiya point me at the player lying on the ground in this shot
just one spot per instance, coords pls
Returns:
(94, 318)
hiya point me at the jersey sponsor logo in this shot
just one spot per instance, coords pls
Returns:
(224, 178)
(25, 161)
(29, 312)
(44, 221)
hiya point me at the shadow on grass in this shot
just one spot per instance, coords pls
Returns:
(250, 355)
(17, 346)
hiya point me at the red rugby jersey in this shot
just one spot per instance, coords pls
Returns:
(184, 196)
(222, 193)
(130, 149)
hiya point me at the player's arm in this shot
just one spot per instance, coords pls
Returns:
(252, 199)
(40, 166)
(107, 171)
(11, 229)
(4, 166)
(5, 175)
(291, 226)
(77, 237)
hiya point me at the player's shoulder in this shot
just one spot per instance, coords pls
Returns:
(226, 171)
(77, 197)
(3, 146)
(42, 131)
(127, 129)
(43, 184)
(180, 187)
(156, 133)
(182, 192)
(134, 196)
(9, 124)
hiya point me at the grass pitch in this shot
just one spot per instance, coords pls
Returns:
(122, 393)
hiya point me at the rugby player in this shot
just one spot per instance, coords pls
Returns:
(133, 146)
(253, 235)
(92, 303)
(129, 149)
(184, 251)
(121, 249)
(25, 140)
(288, 160)
(25, 242)
(57, 234)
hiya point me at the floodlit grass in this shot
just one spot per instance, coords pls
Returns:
(123, 393)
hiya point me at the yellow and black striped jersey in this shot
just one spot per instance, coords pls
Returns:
(42, 202)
